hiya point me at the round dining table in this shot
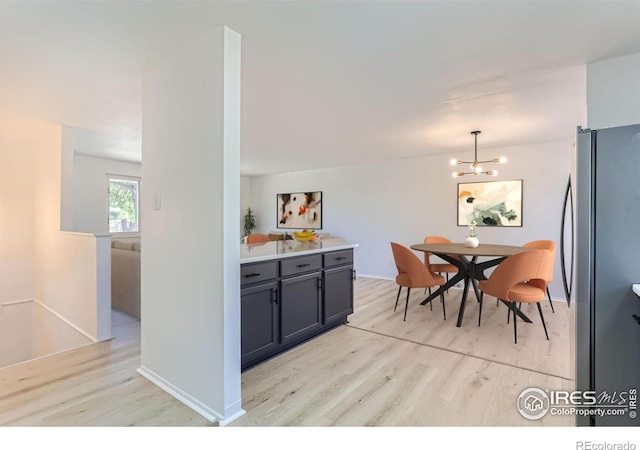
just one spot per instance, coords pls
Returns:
(470, 271)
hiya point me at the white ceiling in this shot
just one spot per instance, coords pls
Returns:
(324, 83)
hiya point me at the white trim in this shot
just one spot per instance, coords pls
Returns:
(47, 355)
(76, 233)
(33, 300)
(123, 177)
(79, 330)
(193, 403)
(241, 412)
(17, 302)
(359, 275)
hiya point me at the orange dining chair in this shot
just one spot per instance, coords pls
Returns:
(257, 238)
(520, 278)
(412, 273)
(439, 267)
(551, 246)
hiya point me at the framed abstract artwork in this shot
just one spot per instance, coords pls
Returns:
(490, 203)
(300, 210)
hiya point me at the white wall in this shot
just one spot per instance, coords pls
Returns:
(191, 257)
(16, 334)
(406, 200)
(16, 219)
(65, 273)
(28, 330)
(90, 189)
(613, 96)
(75, 280)
(71, 269)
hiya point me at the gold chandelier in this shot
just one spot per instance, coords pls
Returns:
(475, 164)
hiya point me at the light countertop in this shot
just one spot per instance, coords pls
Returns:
(282, 249)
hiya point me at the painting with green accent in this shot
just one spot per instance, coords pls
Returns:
(490, 203)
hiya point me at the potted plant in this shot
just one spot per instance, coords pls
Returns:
(249, 222)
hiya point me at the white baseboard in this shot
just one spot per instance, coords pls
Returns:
(359, 275)
(377, 277)
(230, 419)
(62, 318)
(193, 403)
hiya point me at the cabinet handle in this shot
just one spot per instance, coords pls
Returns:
(251, 275)
(354, 274)
(299, 266)
(319, 283)
(340, 258)
(275, 296)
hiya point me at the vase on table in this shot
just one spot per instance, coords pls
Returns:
(472, 241)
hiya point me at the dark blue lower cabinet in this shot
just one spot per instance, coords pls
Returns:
(338, 293)
(301, 307)
(260, 319)
(308, 297)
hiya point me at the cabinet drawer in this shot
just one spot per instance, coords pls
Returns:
(338, 258)
(301, 264)
(253, 273)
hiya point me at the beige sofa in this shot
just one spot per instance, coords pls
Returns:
(125, 277)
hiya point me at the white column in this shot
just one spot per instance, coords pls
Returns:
(190, 235)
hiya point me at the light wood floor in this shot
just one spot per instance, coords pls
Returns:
(94, 385)
(375, 371)
(381, 371)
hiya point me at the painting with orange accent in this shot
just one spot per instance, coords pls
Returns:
(301, 210)
(490, 203)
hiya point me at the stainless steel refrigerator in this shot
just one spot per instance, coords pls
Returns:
(607, 265)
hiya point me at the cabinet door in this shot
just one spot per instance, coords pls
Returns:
(301, 307)
(338, 293)
(259, 315)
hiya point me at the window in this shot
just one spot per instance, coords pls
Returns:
(124, 212)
